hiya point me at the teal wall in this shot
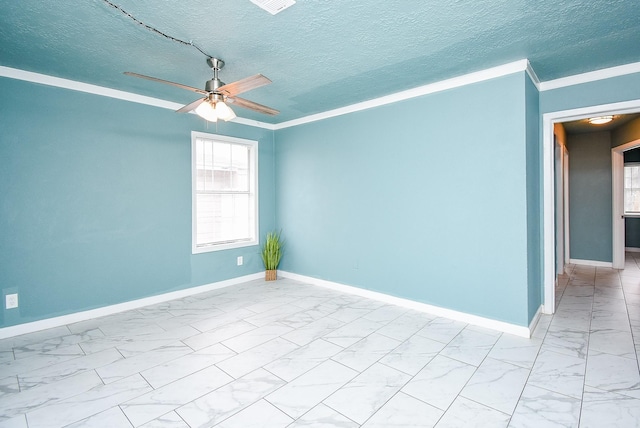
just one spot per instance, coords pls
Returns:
(613, 90)
(534, 198)
(96, 201)
(424, 199)
(590, 196)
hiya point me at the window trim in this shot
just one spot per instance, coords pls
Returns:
(253, 145)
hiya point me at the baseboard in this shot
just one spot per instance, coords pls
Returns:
(632, 249)
(418, 306)
(44, 324)
(590, 263)
(536, 318)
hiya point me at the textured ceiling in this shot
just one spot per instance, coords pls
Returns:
(320, 54)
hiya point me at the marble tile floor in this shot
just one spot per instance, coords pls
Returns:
(287, 354)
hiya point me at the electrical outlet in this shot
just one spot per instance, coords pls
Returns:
(240, 260)
(11, 301)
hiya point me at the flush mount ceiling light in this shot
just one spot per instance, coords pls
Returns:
(600, 120)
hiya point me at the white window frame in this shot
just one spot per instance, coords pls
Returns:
(630, 213)
(253, 186)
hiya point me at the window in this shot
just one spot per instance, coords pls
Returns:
(225, 192)
(632, 189)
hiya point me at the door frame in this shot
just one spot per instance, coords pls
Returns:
(617, 168)
(548, 185)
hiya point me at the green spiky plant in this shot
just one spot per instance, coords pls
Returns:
(272, 250)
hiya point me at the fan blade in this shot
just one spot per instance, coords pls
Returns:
(155, 79)
(191, 106)
(244, 85)
(241, 102)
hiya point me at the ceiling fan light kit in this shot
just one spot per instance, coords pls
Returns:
(217, 94)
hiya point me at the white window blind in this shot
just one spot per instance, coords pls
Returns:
(224, 192)
(632, 189)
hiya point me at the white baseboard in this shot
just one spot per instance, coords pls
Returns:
(536, 318)
(418, 306)
(31, 327)
(632, 249)
(590, 263)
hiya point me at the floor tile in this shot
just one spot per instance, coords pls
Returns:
(112, 418)
(613, 373)
(404, 411)
(168, 420)
(469, 414)
(48, 394)
(256, 337)
(301, 360)
(496, 384)
(364, 395)
(185, 365)
(305, 392)
(156, 403)
(89, 403)
(310, 356)
(559, 373)
(413, 354)
(353, 332)
(218, 334)
(56, 372)
(256, 357)
(607, 409)
(442, 330)
(614, 342)
(470, 346)
(440, 382)
(126, 367)
(367, 351)
(228, 400)
(323, 416)
(516, 350)
(260, 414)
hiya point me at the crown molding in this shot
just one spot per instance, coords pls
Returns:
(533, 76)
(592, 76)
(58, 82)
(443, 85)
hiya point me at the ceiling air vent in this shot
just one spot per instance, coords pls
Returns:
(273, 6)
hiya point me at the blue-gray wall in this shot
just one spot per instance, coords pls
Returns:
(534, 198)
(424, 199)
(590, 196)
(632, 232)
(96, 201)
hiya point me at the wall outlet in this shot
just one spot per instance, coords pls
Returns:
(11, 301)
(240, 260)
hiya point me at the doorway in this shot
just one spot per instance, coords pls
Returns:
(549, 201)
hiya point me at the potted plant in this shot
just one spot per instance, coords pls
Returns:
(271, 254)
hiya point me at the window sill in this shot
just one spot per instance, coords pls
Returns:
(220, 247)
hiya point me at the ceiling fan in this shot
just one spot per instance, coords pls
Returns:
(217, 94)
